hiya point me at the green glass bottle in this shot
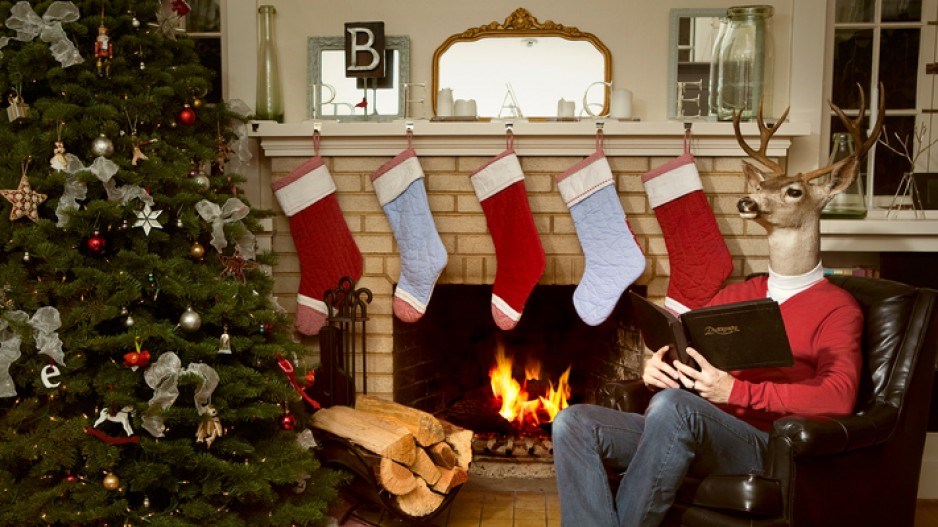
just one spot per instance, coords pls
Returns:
(269, 93)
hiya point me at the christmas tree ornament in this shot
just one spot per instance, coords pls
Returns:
(26, 257)
(613, 258)
(18, 110)
(137, 358)
(103, 50)
(129, 321)
(190, 321)
(235, 266)
(147, 219)
(196, 102)
(138, 154)
(209, 427)
(96, 243)
(153, 285)
(102, 146)
(146, 502)
(25, 200)
(111, 482)
(135, 22)
(224, 342)
(181, 7)
(203, 182)
(122, 417)
(59, 162)
(287, 421)
(186, 116)
(197, 251)
(48, 372)
(499, 186)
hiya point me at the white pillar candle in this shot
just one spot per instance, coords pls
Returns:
(565, 109)
(620, 104)
(465, 107)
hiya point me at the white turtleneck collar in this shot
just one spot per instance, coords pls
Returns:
(782, 287)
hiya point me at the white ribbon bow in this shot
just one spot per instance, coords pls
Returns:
(233, 210)
(9, 349)
(163, 376)
(104, 169)
(28, 25)
(46, 321)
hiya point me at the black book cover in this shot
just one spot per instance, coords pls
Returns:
(736, 336)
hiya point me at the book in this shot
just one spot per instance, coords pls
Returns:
(737, 336)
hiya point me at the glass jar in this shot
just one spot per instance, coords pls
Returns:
(715, 67)
(746, 65)
(269, 93)
(851, 203)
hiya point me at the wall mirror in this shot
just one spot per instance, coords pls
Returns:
(693, 33)
(332, 95)
(525, 65)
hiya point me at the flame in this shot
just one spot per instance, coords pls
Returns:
(517, 405)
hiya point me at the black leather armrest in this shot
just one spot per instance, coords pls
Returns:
(748, 493)
(627, 396)
(818, 435)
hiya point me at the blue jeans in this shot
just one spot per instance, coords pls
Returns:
(681, 433)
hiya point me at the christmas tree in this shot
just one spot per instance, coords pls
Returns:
(146, 373)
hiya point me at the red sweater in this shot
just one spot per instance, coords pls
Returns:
(824, 325)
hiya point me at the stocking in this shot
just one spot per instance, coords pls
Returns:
(700, 261)
(323, 242)
(400, 190)
(499, 185)
(613, 257)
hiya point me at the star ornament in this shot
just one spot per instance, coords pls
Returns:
(25, 200)
(236, 266)
(147, 219)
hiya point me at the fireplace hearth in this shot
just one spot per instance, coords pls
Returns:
(443, 361)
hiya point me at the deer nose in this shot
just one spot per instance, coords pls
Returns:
(747, 207)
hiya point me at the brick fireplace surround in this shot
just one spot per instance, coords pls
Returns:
(462, 225)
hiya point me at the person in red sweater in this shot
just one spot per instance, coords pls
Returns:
(719, 423)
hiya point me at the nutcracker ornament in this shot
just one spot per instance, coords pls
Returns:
(103, 51)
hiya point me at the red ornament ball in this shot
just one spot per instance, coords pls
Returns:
(96, 243)
(288, 422)
(310, 377)
(186, 116)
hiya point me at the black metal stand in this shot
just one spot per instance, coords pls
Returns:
(339, 344)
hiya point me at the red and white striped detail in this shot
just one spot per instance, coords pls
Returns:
(497, 175)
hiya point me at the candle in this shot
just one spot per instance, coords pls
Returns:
(465, 107)
(565, 109)
(444, 103)
(620, 104)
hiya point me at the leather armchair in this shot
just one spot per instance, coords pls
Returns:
(829, 470)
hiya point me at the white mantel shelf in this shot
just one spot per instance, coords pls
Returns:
(622, 138)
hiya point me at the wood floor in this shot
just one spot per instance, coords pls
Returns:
(926, 513)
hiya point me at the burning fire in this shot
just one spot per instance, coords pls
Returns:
(517, 404)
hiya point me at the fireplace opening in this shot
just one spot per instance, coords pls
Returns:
(443, 362)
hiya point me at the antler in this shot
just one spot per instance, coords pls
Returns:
(765, 133)
(854, 127)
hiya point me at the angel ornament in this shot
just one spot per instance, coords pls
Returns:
(58, 161)
(209, 427)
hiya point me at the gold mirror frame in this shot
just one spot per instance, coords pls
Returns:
(522, 24)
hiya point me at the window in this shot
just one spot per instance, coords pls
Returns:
(203, 25)
(888, 42)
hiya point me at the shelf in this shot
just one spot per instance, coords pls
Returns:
(532, 138)
(877, 233)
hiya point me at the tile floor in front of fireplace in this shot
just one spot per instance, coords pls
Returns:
(484, 502)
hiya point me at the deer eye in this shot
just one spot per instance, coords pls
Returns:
(793, 192)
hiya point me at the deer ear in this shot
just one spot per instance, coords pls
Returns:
(842, 177)
(754, 176)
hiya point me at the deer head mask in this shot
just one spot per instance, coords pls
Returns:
(777, 200)
(789, 207)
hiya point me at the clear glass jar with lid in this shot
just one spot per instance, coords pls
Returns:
(851, 203)
(746, 64)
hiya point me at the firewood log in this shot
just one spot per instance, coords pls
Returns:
(450, 478)
(425, 428)
(378, 436)
(461, 441)
(419, 502)
(423, 466)
(442, 455)
(394, 477)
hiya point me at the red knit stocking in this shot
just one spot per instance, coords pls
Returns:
(323, 242)
(499, 185)
(700, 261)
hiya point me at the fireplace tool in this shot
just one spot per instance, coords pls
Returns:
(338, 343)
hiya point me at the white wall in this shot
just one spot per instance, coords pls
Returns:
(635, 31)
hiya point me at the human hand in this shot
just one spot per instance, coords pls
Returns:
(658, 373)
(711, 383)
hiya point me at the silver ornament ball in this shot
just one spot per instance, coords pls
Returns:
(190, 320)
(202, 181)
(102, 146)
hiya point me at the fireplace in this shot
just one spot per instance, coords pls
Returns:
(443, 360)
